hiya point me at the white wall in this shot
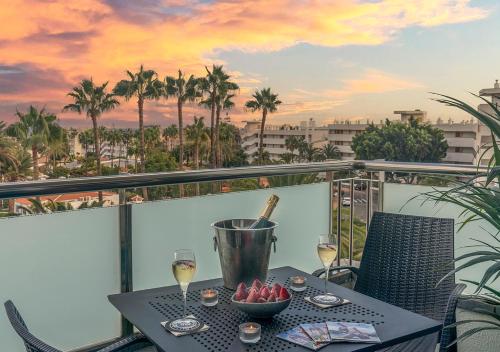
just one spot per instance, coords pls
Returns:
(58, 269)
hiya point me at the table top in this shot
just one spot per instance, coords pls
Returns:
(147, 308)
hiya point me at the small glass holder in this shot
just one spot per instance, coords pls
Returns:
(209, 297)
(250, 333)
(298, 283)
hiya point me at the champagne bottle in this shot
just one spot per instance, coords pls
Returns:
(266, 213)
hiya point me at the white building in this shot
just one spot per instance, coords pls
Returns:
(276, 135)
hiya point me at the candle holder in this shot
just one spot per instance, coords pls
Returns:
(250, 333)
(209, 297)
(298, 283)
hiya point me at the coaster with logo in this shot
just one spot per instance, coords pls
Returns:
(184, 326)
(326, 300)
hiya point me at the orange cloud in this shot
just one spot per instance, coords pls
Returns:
(75, 39)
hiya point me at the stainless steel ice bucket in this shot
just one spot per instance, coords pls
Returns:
(243, 253)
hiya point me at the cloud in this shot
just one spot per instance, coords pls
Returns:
(75, 39)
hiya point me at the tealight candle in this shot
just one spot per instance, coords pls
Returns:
(209, 297)
(298, 283)
(249, 332)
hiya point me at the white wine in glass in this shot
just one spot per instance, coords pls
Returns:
(327, 252)
(184, 268)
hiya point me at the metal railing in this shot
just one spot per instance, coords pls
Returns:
(121, 182)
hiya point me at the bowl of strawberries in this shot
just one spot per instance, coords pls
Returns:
(260, 300)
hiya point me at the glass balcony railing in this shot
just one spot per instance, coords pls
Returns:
(59, 268)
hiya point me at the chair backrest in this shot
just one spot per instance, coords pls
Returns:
(31, 343)
(404, 258)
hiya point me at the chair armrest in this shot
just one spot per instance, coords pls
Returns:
(129, 343)
(448, 335)
(320, 272)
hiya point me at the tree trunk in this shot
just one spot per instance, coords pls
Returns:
(217, 133)
(212, 137)
(140, 105)
(196, 164)
(261, 137)
(97, 150)
(120, 156)
(34, 156)
(181, 144)
(181, 134)
(12, 205)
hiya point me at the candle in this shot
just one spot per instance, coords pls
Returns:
(249, 332)
(209, 297)
(298, 283)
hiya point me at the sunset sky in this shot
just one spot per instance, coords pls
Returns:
(341, 59)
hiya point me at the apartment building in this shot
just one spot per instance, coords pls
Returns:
(276, 135)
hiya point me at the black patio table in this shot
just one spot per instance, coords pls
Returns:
(146, 309)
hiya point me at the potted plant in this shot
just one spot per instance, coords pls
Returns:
(478, 315)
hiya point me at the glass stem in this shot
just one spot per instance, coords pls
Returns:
(184, 296)
(327, 271)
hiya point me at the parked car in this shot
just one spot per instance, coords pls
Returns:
(346, 201)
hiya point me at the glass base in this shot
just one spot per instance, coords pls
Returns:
(250, 341)
(210, 304)
(298, 289)
(326, 298)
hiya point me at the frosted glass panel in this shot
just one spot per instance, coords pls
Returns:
(395, 199)
(58, 269)
(161, 227)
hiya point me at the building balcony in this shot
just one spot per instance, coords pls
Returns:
(60, 267)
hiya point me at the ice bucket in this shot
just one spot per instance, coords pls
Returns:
(243, 253)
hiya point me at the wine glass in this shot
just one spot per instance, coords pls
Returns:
(184, 267)
(327, 252)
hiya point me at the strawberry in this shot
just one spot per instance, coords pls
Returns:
(264, 292)
(241, 286)
(272, 298)
(284, 295)
(261, 300)
(253, 296)
(240, 294)
(257, 284)
(276, 289)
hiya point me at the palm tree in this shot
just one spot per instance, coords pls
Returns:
(152, 137)
(7, 153)
(33, 132)
(127, 138)
(197, 134)
(223, 102)
(184, 90)
(113, 137)
(267, 102)
(292, 143)
(58, 144)
(85, 138)
(169, 133)
(219, 90)
(144, 85)
(94, 101)
(310, 153)
(330, 151)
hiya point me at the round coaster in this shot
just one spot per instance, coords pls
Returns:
(327, 299)
(184, 325)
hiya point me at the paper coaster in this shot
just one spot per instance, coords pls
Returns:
(335, 303)
(184, 326)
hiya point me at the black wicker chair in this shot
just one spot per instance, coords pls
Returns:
(404, 258)
(33, 344)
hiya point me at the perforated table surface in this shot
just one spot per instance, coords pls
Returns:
(146, 309)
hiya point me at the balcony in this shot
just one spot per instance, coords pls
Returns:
(60, 267)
